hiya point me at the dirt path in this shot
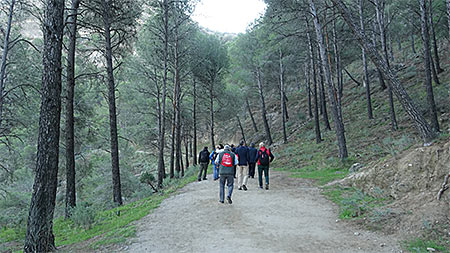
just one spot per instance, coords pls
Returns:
(290, 217)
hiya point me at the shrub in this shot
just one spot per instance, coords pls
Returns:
(83, 215)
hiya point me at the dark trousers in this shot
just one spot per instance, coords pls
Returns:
(262, 168)
(251, 169)
(229, 180)
(203, 167)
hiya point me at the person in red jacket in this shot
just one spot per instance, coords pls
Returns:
(264, 158)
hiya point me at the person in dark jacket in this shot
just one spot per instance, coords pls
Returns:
(242, 169)
(233, 149)
(226, 160)
(264, 158)
(203, 159)
(252, 154)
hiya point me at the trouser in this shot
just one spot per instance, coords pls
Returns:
(251, 170)
(229, 179)
(234, 171)
(215, 171)
(262, 168)
(203, 168)
(242, 175)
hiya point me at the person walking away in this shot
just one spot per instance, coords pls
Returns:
(203, 159)
(264, 158)
(233, 149)
(252, 154)
(226, 160)
(242, 152)
(212, 157)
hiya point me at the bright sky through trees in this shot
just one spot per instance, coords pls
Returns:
(232, 16)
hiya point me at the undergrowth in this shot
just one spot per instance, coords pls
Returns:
(107, 227)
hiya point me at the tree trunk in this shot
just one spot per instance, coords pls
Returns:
(195, 124)
(186, 149)
(379, 7)
(211, 112)
(413, 43)
(39, 234)
(427, 64)
(308, 89)
(117, 191)
(448, 16)
(162, 114)
(240, 127)
(338, 124)
(337, 60)
(70, 135)
(180, 154)
(322, 96)
(374, 41)
(389, 41)
(366, 73)
(172, 145)
(251, 115)
(312, 59)
(421, 124)
(433, 34)
(177, 106)
(263, 106)
(282, 96)
(5, 57)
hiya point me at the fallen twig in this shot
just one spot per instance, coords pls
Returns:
(444, 187)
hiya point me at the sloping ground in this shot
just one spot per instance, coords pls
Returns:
(412, 181)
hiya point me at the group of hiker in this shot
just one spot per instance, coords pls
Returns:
(230, 162)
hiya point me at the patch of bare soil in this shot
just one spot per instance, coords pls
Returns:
(412, 180)
(290, 217)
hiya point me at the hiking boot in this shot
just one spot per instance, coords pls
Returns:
(229, 200)
(205, 178)
(244, 187)
(267, 186)
(260, 187)
(221, 201)
(240, 188)
(199, 179)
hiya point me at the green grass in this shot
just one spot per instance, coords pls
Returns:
(114, 228)
(322, 176)
(352, 202)
(108, 226)
(420, 245)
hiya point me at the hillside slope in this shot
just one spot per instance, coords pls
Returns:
(398, 171)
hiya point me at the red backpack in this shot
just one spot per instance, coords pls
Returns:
(227, 160)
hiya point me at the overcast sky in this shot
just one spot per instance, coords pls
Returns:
(232, 16)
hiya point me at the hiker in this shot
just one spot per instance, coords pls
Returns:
(252, 153)
(225, 160)
(203, 159)
(212, 157)
(233, 149)
(263, 164)
(243, 154)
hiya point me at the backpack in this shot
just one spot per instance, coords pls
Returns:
(227, 160)
(204, 156)
(263, 157)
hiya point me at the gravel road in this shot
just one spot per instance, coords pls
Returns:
(290, 217)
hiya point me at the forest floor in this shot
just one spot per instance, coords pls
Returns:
(290, 217)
